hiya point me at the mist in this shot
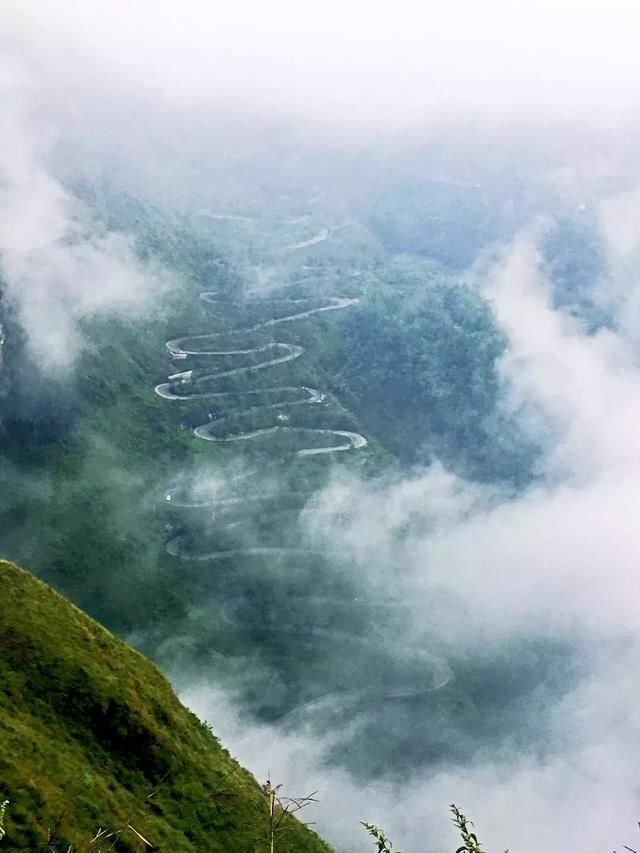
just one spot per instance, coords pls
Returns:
(360, 63)
(286, 117)
(59, 266)
(478, 571)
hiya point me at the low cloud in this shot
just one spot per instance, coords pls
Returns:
(355, 65)
(586, 793)
(58, 266)
(480, 570)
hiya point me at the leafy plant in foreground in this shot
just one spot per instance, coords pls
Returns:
(470, 839)
(3, 808)
(461, 822)
(384, 845)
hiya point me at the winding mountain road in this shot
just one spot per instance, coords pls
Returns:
(185, 386)
(181, 386)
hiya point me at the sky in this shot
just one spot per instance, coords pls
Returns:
(348, 64)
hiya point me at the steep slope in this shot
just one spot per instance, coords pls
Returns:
(89, 729)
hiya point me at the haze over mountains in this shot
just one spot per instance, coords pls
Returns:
(320, 386)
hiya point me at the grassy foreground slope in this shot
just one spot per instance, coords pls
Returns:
(89, 729)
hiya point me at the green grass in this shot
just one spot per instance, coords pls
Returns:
(89, 729)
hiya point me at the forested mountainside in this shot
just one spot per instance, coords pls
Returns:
(93, 737)
(320, 389)
(182, 481)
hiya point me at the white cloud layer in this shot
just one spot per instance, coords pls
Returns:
(58, 266)
(560, 562)
(354, 62)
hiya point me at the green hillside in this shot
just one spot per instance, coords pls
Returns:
(93, 736)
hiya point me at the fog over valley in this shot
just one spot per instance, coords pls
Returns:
(320, 386)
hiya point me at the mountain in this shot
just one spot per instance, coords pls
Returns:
(199, 481)
(278, 340)
(93, 736)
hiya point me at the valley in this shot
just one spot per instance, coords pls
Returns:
(241, 481)
(262, 557)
